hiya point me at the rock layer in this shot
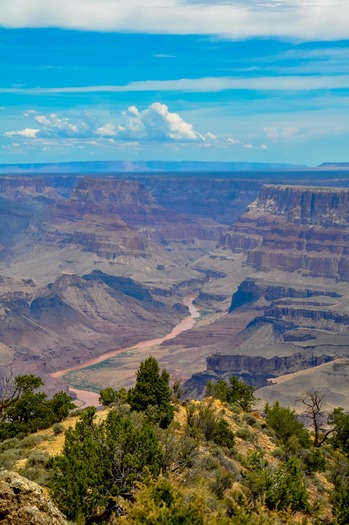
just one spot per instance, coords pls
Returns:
(295, 228)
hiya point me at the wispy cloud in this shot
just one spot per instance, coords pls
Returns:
(207, 84)
(302, 19)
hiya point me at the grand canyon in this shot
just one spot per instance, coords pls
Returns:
(97, 268)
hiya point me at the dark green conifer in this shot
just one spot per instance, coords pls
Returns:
(152, 392)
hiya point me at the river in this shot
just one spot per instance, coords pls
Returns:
(91, 398)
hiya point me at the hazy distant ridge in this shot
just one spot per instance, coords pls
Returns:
(143, 166)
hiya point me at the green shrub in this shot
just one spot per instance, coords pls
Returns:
(37, 458)
(9, 457)
(31, 441)
(286, 488)
(234, 391)
(152, 392)
(286, 425)
(313, 460)
(58, 428)
(251, 420)
(223, 435)
(244, 433)
(102, 460)
(8, 443)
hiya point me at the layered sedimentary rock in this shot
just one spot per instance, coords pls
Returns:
(114, 217)
(294, 240)
(294, 228)
(212, 197)
(126, 247)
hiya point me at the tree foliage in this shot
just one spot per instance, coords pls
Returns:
(233, 391)
(108, 396)
(340, 422)
(285, 424)
(25, 411)
(152, 392)
(99, 461)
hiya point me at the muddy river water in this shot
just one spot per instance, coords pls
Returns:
(91, 398)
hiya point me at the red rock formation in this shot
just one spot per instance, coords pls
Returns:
(295, 228)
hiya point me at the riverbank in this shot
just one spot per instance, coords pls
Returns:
(90, 398)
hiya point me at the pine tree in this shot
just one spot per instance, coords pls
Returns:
(152, 392)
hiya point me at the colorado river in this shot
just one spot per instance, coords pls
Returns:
(91, 398)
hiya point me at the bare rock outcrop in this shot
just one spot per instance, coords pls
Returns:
(295, 228)
(23, 502)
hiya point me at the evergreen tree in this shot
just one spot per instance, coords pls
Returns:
(233, 391)
(286, 425)
(99, 461)
(23, 411)
(152, 392)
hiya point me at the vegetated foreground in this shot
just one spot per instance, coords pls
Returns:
(151, 458)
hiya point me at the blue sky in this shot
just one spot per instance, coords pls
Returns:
(221, 80)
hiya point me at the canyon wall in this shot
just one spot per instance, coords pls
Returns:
(295, 229)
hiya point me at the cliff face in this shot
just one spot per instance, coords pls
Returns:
(22, 188)
(111, 217)
(251, 290)
(293, 241)
(221, 199)
(295, 229)
(259, 370)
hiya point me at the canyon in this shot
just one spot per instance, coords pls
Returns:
(96, 264)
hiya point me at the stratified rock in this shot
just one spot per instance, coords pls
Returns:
(295, 228)
(23, 502)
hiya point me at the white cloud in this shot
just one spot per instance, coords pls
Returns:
(233, 141)
(107, 130)
(205, 84)
(303, 19)
(29, 112)
(155, 123)
(54, 125)
(29, 133)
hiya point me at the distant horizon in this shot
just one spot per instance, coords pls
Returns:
(173, 166)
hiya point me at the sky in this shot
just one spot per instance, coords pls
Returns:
(214, 80)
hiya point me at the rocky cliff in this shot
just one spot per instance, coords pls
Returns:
(295, 228)
(293, 244)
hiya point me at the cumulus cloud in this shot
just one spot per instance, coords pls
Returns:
(155, 123)
(107, 130)
(54, 125)
(29, 133)
(304, 19)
